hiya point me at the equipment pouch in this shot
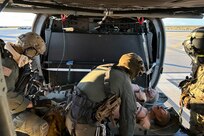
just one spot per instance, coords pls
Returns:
(81, 106)
(77, 108)
(107, 108)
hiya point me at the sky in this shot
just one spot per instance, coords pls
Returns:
(26, 19)
(181, 21)
(16, 19)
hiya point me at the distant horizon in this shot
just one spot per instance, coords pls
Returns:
(164, 26)
(16, 19)
(26, 19)
(183, 22)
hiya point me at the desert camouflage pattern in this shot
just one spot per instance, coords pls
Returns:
(31, 124)
(195, 94)
(197, 103)
(31, 39)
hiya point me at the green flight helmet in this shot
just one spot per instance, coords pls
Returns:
(133, 63)
(194, 45)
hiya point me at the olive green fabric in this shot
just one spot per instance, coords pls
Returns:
(120, 84)
(80, 129)
(23, 120)
(17, 102)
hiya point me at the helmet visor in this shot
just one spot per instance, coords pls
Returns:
(141, 68)
(30, 52)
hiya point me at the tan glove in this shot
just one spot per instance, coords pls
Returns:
(23, 60)
(20, 59)
(185, 100)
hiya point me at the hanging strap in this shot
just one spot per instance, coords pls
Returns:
(107, 82)
(184, 129)
(180, 113)
(100, 130)
(145, 48)
(107, 88)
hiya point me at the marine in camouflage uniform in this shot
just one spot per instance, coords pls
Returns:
(92, 85)
(27, 46)
(192, 96)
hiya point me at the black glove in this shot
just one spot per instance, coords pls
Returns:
(184, 82)
(42, 103)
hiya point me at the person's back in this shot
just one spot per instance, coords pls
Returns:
(93, 83)
(94, 88)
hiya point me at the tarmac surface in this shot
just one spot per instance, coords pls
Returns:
(177, 65)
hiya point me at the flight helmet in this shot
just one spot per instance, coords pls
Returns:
(31, 44)
(194, 45)
(133, 63)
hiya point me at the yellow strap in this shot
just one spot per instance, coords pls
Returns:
(180, 112)
(200, 55)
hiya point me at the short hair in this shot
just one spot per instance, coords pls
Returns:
(163, 119)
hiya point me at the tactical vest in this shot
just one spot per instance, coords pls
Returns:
(83, 107)
(26, 75)
(196, 89)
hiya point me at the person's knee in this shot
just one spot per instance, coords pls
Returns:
(31, 124)
(40, 128)
(68, 123)
(43, 128)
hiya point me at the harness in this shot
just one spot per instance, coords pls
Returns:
(24, 77)
(25, 74)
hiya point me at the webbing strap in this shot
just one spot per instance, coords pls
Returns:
(180, 112)
(107, 88)
(181, 120)
(100, 130)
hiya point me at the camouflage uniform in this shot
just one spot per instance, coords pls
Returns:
(193, 97)
(24, 121)
(120, 84)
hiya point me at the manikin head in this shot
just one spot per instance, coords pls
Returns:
(162, 116)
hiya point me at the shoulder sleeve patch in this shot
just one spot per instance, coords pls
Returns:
(7, 71)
